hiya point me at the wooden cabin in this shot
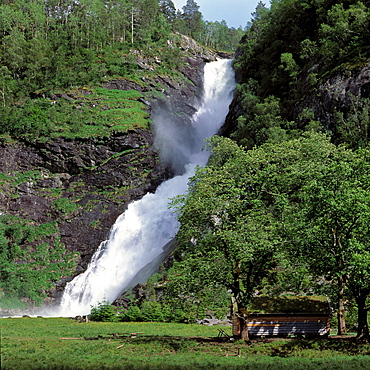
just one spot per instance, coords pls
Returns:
(285, 316)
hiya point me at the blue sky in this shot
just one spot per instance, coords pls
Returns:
(235, 12)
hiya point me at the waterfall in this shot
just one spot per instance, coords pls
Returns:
(138, 235)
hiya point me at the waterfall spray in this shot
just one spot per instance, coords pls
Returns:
(138, 236)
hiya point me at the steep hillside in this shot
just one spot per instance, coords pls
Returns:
(303, 65)
(65, 192)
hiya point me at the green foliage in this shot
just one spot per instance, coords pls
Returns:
(225, 227)
(64, 205)
(28, 263)
(261, 123)
(289, 65)
(353, 127)
(292, 48)
(95, 112)
(146, 311)
(275, 219)
(103, 311)
(132, 314)
(161, 311)
(151, 311)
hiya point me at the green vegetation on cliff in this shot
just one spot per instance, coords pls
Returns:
(67, 45)
(80, 113)
(285, 63)
(29, 265)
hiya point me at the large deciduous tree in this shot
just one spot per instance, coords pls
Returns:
(306, 200)
(227, 232)
(325, 219)
(335, 209)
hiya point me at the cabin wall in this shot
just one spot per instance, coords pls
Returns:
(286, 325)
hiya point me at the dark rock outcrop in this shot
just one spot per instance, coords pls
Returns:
(91, 174)
(339, 93)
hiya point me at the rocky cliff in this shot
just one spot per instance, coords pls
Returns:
(83, 185)
(343, 92)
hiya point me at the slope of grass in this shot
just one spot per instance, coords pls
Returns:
(97, 112)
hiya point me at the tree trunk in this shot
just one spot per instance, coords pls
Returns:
(363, 327)
(244, 329)
(132, 26)
(340, 314)
(240, 328)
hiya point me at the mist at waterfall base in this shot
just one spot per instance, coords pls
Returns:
(138, 236)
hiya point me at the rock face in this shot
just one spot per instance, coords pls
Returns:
(338, 93)
(98, 176)
(90, 174)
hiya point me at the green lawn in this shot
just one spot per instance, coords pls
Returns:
(36, 343)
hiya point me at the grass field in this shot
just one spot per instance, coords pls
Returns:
(41, 343)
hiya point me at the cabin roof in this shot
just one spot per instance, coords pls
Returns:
(289, 305)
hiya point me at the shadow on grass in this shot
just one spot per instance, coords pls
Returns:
(281, 364)
(276, 354)
(345, 346)
(277, 347)
(176, 343)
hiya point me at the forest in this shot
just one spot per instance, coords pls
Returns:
(283, 205)
(60, 44)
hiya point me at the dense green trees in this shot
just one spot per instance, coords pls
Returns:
(226, 233)
(304, 202)
(65, 43)
(335, 218)
(292, 49)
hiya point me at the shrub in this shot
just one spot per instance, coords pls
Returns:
(152, 311)
(133, 313)
(103, 312)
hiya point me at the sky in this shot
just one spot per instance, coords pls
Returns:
(235, 12)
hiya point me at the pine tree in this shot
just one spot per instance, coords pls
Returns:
(168, 9)
(193, 18)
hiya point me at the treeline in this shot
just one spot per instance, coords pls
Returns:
(62, 43)
(288, 53)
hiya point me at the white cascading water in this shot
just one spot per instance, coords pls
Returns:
(138, 235)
